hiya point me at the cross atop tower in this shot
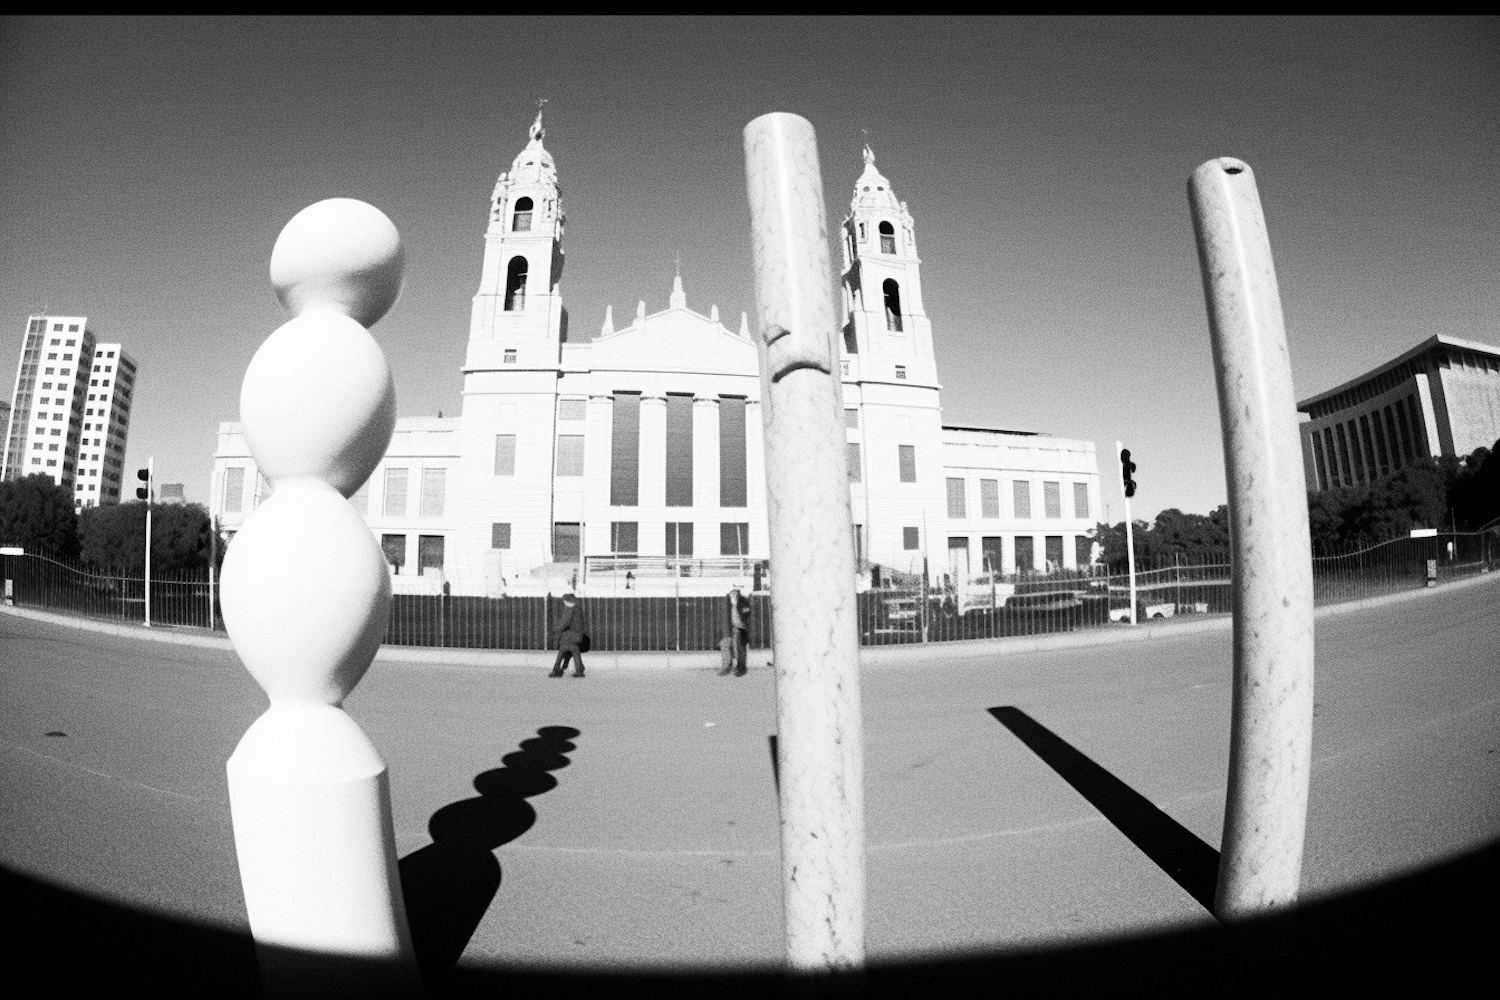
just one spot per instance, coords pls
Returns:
(537, 132)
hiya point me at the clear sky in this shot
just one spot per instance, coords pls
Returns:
(147, 165)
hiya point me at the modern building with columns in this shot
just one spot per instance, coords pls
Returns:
(1442, 397)
(633, 460)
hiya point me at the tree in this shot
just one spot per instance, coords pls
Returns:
(114, 538)
(1350, 517)
(1474, 495)
(1188, 539)
(37, 514)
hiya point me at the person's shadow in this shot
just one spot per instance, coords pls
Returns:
(449, 884)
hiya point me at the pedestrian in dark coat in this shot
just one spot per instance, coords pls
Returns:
(736, 639)
(572, 637)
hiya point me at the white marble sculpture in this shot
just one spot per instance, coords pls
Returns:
(306, 598)
(1270, 749)
(820, 742)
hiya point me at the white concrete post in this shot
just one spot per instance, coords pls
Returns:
(820, 741)
(306, 599)
(1270, 748)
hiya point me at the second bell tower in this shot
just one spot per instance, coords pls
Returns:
(518, 320)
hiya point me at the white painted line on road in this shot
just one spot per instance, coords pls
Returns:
(111, 777)
(936, 842)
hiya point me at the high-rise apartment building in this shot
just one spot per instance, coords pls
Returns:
(70, 411)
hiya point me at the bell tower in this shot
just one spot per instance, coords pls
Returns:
(511, 374)
(518, 321)
(886, 335)
(891, 393)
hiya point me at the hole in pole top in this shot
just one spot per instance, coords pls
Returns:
(1232, 166)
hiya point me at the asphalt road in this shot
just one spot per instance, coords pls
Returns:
(628, 820)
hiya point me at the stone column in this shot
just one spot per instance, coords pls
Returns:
(820, 731)
(1270, 744)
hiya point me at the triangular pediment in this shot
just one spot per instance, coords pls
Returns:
(673, 340)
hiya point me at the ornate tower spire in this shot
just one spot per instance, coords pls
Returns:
(537, 131)
(518, 312)
(882, 283)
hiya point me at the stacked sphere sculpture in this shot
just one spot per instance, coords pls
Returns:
(306, 600)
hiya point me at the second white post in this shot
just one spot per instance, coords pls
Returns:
(820, 741)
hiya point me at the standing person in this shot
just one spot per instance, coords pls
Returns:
(572, 637)
(736, 639)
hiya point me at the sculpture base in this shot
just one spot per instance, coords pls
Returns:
(313, 832)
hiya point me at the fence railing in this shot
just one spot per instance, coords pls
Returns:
(988, 606)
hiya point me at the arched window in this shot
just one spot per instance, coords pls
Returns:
(515, 285)
(887, 238)
(892, 304)
(522, 219)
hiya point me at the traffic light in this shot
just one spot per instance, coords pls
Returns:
(143, 492)
(1126, 468)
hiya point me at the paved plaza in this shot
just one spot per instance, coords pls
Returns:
(1018, 802)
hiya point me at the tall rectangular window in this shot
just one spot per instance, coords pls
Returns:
(851, 417)
(1406, 419)
(989, 498)
(1052, 499)
(1025, 558)
(958, 558)
(1021, 497)
(679, 450)
(234, 489)
(570, 454)
(1390, 434)
(566, 542)
(1335, 478)
(505, 454)
(851, 450)
(1080, 499)
(733, 476)
(990, 549)
(956, 505)
(734, 539)
(394, 547)
(911, 539)
(624, 537)
(429, 555)
(625, 451)
(679, 538)
(1083, 551)
(1356, 450)
(499, 536)
(1054, 552)
(395, 492)
(434, 491)
(572, 409)
(1385, 459)
(906, 458)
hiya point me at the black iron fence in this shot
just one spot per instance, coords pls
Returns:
(986, 606)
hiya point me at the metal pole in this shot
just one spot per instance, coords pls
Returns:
(1130, 558)
(150, 491)
(213, 557)
(816, 635)
(1270, 747)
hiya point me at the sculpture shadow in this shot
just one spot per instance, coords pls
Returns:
(449, 884)
(1174, 848)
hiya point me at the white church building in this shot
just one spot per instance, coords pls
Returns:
(633, 461)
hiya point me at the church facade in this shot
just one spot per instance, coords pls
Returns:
(633, 460)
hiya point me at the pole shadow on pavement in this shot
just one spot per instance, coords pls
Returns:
(1174, 848)
(449, 884)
